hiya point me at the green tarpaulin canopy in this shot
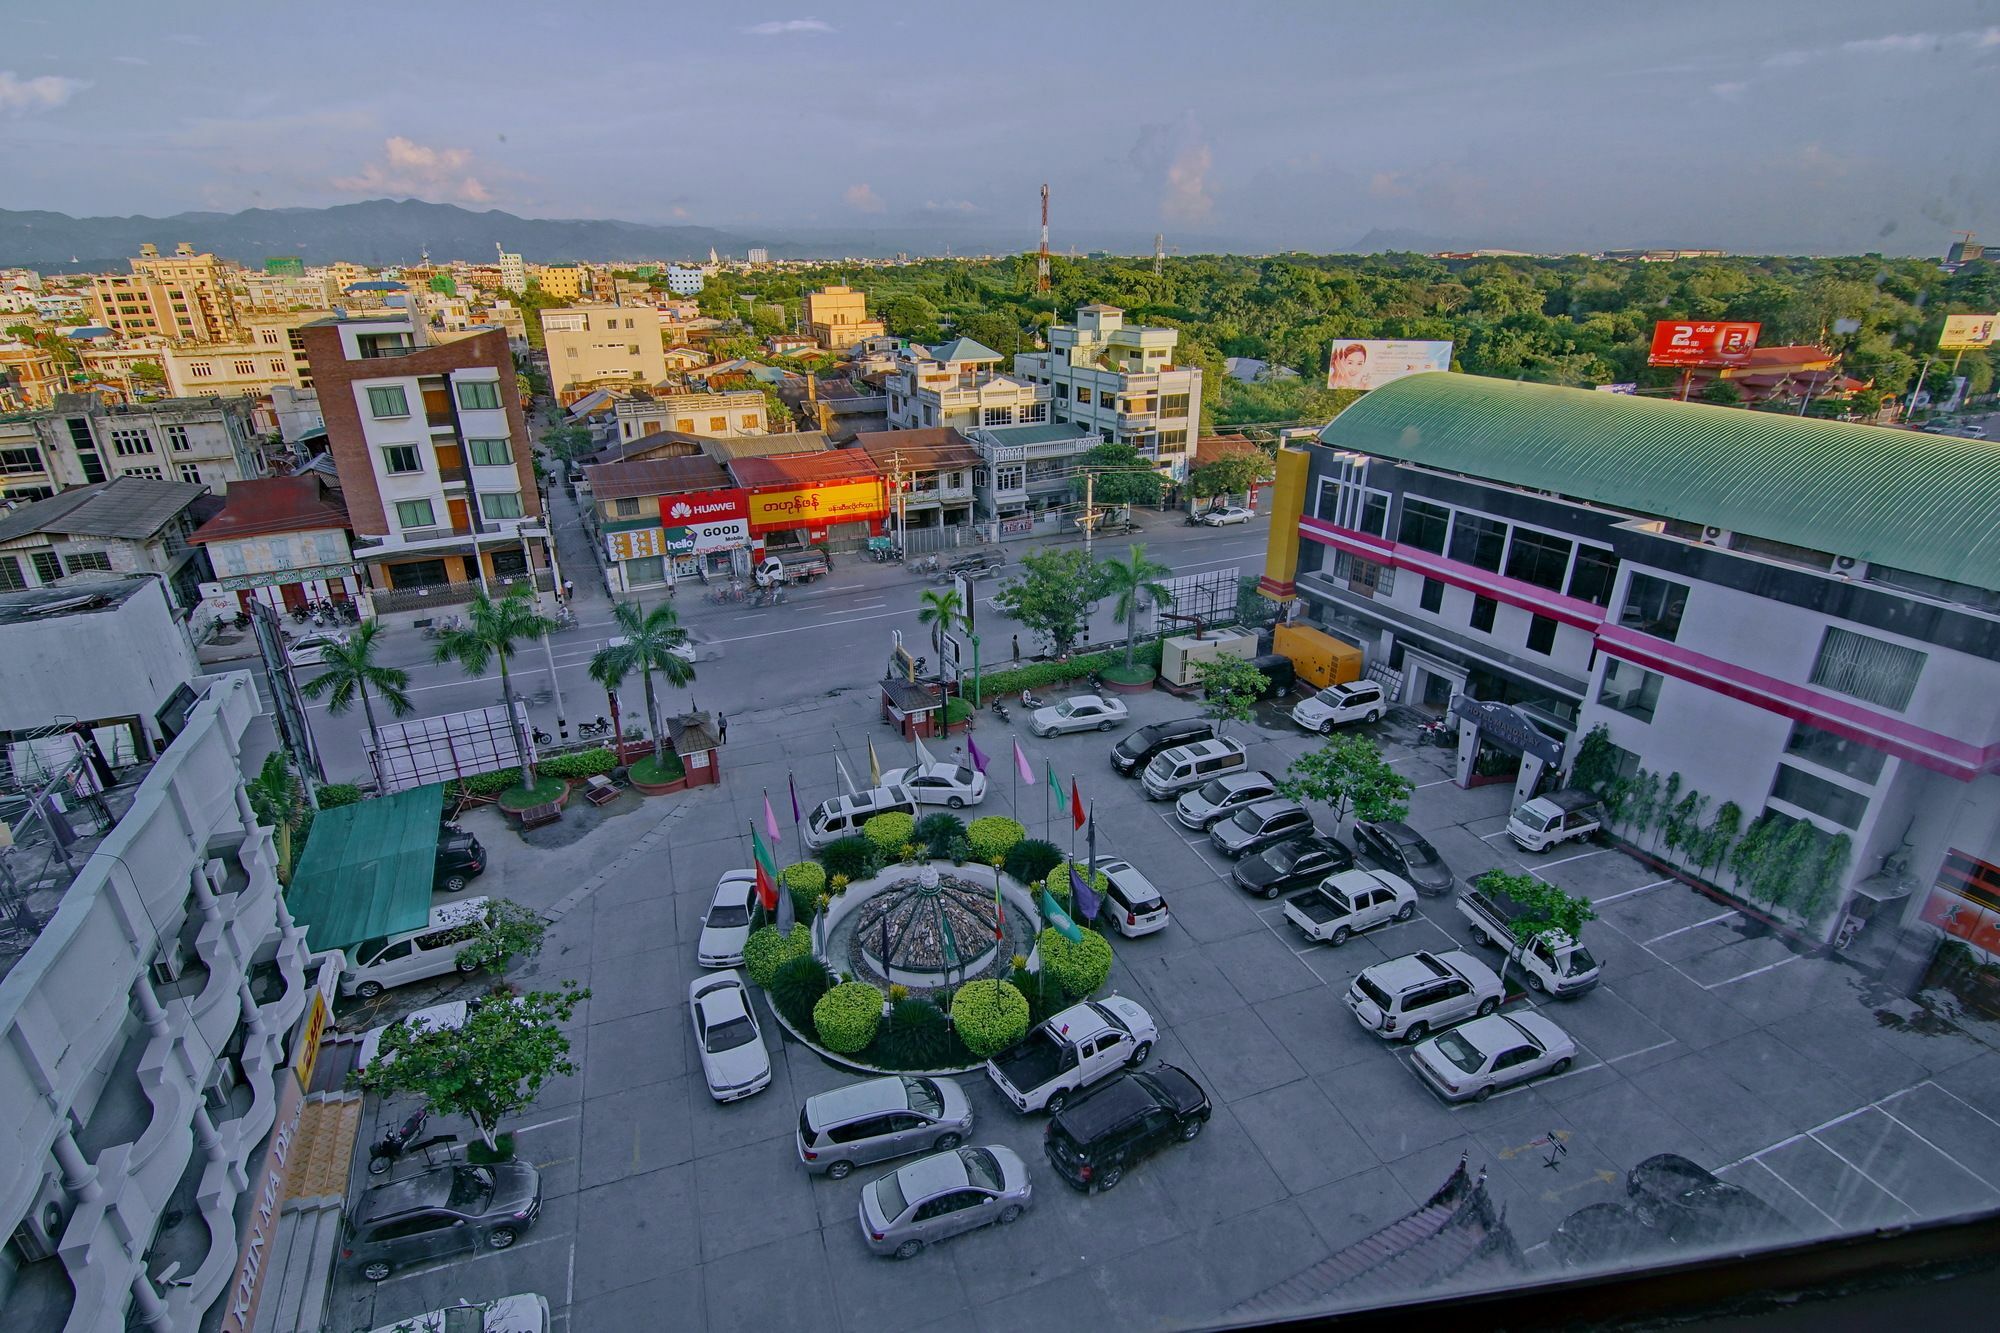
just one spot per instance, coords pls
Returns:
(367, 869)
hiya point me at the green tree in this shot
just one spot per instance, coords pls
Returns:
(1596, 764)
(1349, 773)
(777, 412)
(1053, 596)
(1133, 583)
(494, 629)
(148, 372)
(569, 443)
(1231, 474)
(278, 799)
(1716, 839)
(1122, 474)
(941, 610)
(1230, 688)
(352, 673)
(1547, 908)
(650, 639)
(507, 930)
(491, 1067)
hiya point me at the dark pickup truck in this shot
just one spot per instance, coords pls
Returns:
(973, 566)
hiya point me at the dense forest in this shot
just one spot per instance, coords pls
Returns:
(1574, 321)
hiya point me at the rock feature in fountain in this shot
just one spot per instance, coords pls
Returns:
(928, 931)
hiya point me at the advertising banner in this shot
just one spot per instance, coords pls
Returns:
(635, 543)
(817, 506)
(1703, 342)
(1964, 332)
(1370, 364)
(698, 522)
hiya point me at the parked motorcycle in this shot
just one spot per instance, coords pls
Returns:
(1442, 732)
(395, 1142)
(543, 737)
(1000, 707)
(591, 730)
(1030, 700)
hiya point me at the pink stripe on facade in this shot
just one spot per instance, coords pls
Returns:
(1569, 610)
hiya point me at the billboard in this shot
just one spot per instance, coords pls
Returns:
(1369, 363)
(1964, 332)
(698, 522)
(812, 506)
(1703, 342)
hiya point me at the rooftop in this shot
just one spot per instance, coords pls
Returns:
(732, 448)
(804, 469)
(133, 508)
(77, 598)
(1913, 501)
(265, 505)
(654, 476)
(929, 447)
(964, 349)
(1046, 432)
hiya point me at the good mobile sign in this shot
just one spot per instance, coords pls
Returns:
(704, 521)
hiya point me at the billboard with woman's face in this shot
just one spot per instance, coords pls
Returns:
(1371, 363)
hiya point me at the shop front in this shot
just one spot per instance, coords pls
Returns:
(808, 499)
(636, 555)
(707, 533)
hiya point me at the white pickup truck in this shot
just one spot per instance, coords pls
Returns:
(1077, 1047)
(1554, 961)
(1350, 902)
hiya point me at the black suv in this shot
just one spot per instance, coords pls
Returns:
(1404, 851)
(1092, 1140)
(1134, 752)
(459, 859)
(445, 1210)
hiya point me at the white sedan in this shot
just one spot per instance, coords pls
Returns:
(1217, 518)
(683, 650)
(525, 1313)
(1474, 1060)
(1082, 712)
(733, 1058)
(940, 784)
(310, 649)
(726, 924)
(437, 1018)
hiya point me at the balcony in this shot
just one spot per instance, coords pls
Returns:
(373, 349)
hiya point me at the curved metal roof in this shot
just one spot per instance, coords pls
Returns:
(1928, 503)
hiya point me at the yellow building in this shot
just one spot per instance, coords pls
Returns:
(269, 353)
(602, 346)
(568, 283)
(184, 296)
(837, 318)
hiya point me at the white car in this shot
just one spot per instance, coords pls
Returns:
(310, 649)
(1356, 701)
(1223, 797)
(1474, 1060)
(525, 1313)
(1079, 712)
(684, 651)
(437, 1018)
(733, 1058)
(1216, 518)
(1136, 907)
(954, 785)
(726, 924)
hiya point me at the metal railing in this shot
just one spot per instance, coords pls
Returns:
(389, 600)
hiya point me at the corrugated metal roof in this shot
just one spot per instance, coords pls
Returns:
(367, 869)
(133, 508)
(1919, 502)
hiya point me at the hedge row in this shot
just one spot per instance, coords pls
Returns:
(578, 766)
(1061, 673)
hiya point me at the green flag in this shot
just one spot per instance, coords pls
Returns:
(1054, 786)
(1053, 913)
(950, 943)
(764, 857)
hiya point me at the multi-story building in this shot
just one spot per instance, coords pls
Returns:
(29, 375)
(271, 352)
(960, 385)
(565, 282)
(1024, 471)
(433, 453)
(757, 254)
(281, 541)
(684, 281)
(837, 318)
(203, 441)
(1789, 616)
(664, 519)
(129, 525)
(598, 346)
(288, 291)
(25, 471)
(1121, 381)
(928, 471)
(737, 412)
(182, 296)
(513, 274)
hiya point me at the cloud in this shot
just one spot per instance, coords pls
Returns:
(950, 207)
(1729, 92)
(1178, 156)
(863, 199)
(1787, 59)
(414, 169)
(131, 60)
(786, 27)
(1895, 41)
(44, 92)
(1389, 185)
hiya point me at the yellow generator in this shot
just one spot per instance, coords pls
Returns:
(1318, 656)
(1181, 654)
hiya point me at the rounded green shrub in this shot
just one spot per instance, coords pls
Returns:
(1080, 967)
(796, 988)
(1030, 862)
(1057, 883)
(993, 836)
(846, 1016)
(806, 882)
(916, 1036)
(890, 831)
(766, 951)
(335, 794)
(938, 832)
(853, 857)
(990, 1016)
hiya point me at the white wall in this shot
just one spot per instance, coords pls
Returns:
(124, 660)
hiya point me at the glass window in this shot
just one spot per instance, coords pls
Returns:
(1808, 742)
(1432, 597)
(1375, 514)
(1654, 606)
(625, 508)
(1633, 691)
(1828, 800)
(387, 402)
(491, 453)
(501, 504)
(1478, 541)
(1482, 613)
(1541, 635)
(11, 578)
(47, 568)
(1596, 570)
(1882, 673)
(479, 395)
(414, 514)
(646, 569)
(80, 560)
(1423, 525)
(997, 416)
(401, 458)
(1537, 558)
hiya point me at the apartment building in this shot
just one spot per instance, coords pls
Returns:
(1121, 381)
(959, 385)
(82, 439)
(1025, 471)
(271, 352)
(684, 281)
(837, 318)
(433, 453)
(599, 346)
(567, 282)
(736, 412)
(929, 473)
(513, 274)
(29, 375)
(129, 525)
(1782, 613)
(288, 291)
(182, 296)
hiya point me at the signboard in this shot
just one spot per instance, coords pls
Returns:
(455, 745)
(635, 543)
(1017, 527)
(950, 657)
(692, 507)
(1707, 342)
(266, 1200)
(1963, 332)
(968, 602)
(701, 538)
(306, 1054)
(817, 506)
(1371, 363)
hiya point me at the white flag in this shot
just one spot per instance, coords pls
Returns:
(923, 755)
(845, 777)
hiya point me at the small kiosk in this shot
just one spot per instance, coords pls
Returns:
(696, 741)
(914, 709)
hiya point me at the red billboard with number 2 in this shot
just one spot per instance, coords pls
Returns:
(1703, 342)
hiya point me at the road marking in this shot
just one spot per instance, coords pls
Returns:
(864, 606)
(1904, 1125)
(1598, 902)
(1424, 786)
(845, 587)
(1949, 1093)
(1656, 1046)
(824, 624)
(1548, 865)
(544, 1124)
(1768, 1170)
(1682, 930)
(1744, 976)
(1863, 1174)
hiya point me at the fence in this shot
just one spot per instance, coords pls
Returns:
(451, 594)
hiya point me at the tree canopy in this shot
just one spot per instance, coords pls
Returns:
(1054, 595)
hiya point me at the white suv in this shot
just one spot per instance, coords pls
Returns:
(1415, 995)
(1356, 701)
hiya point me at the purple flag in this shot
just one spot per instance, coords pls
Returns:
(794, 786)
(979, 760)
(1085, 898)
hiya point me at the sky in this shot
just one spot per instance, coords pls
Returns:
(1830, 126)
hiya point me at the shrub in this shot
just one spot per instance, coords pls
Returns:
(490, 784)
(938, 832)
(846, 1016)
(335, 794)
(766, 951)
(898, 992)
(806, 882)
(1078, 968)
(990, 1016)
(956, 710)
(1060, 673)
(889, 831)
(796, 988)
(993, 836)
(1057, 883)
(1046, 997)
(578, 766)
(1030, 861)
(851, 858)
(959, 849)
(916, 1036)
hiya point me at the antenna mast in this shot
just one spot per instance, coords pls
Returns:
(1042, 258)
(1159, 251)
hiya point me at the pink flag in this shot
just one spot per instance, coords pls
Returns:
(1021, 762)
(770, 818)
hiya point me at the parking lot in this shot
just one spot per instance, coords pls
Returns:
(1709, 1037)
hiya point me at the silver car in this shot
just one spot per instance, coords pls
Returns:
(881, 1118)
(937, 1197)
(734, 1060)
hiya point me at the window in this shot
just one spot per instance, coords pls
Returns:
(1082, 394)
(1482, 613)
(1375, 514)
(718, 423)
(11, 578)
(1173, 441)
(501, 504)
(414, 514)
(399, 458)
(177, 439)
(1826, 799)
(1173, 404)
(201, 370)
(491, 453)
(130, 441)
(570, 352)
(1431, 598)
(1537, 558)
(1423, 525)
(1541, 635)
(246, 367)
(191, 473)
(1062, 391)
(81, 560)
(1596, 570)
(1858, 761)
(150, 473)
(277, 365)
(20, 462)
(750, 422)
(1633, 691)
(1478, 541)
(1654, 606)
(625, 508)
(388, 402)
(1882, 673)
(479, 395)
(1031, 413)
(997, 416)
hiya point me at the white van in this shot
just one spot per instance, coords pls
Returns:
(843, 816)
(396, 960)
(1187, 766)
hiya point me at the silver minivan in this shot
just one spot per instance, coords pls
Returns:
(884, 1117)
(1187, 766)
(431, 951)
(843, 816)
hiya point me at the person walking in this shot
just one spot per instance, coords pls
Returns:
(569, 590)
(722, 727)
(1017, 647)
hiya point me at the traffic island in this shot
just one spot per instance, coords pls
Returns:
(650, 778)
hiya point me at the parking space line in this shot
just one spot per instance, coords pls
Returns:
(1425, 786)
(1904, 1125)
(1766, 1168)
(1643, 888)
(1656, 1046)
(1580, 856)
(1928, 1083)
(1682, 930)
(544, 1124)
(403, 1274)
(1755, 971)
(1789, 1140)
(1863, 1174)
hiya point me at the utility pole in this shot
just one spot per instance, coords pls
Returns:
(1042, 257)
(1089, 509)
(528, 554)
(902, 508)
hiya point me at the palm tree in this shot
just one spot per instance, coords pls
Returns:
(1135, 582)
(351, 672)
(650, 638)
(492, 628)
(278, 799)
(942, 611)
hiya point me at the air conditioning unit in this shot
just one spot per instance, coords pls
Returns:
(1710, 534)
(172, 961)
(1843, 562)
(221, 1082)
(41, 1230)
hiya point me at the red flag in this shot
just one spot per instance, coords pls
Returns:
(767, 891)
(1076, 813)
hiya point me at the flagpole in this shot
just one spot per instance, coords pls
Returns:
(1072, 823)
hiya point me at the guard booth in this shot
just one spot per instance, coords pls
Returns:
(699, 745)
(913, 708)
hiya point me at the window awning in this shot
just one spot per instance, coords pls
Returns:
(367, 869)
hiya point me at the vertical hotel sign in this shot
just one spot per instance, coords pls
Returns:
(267, 1196)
